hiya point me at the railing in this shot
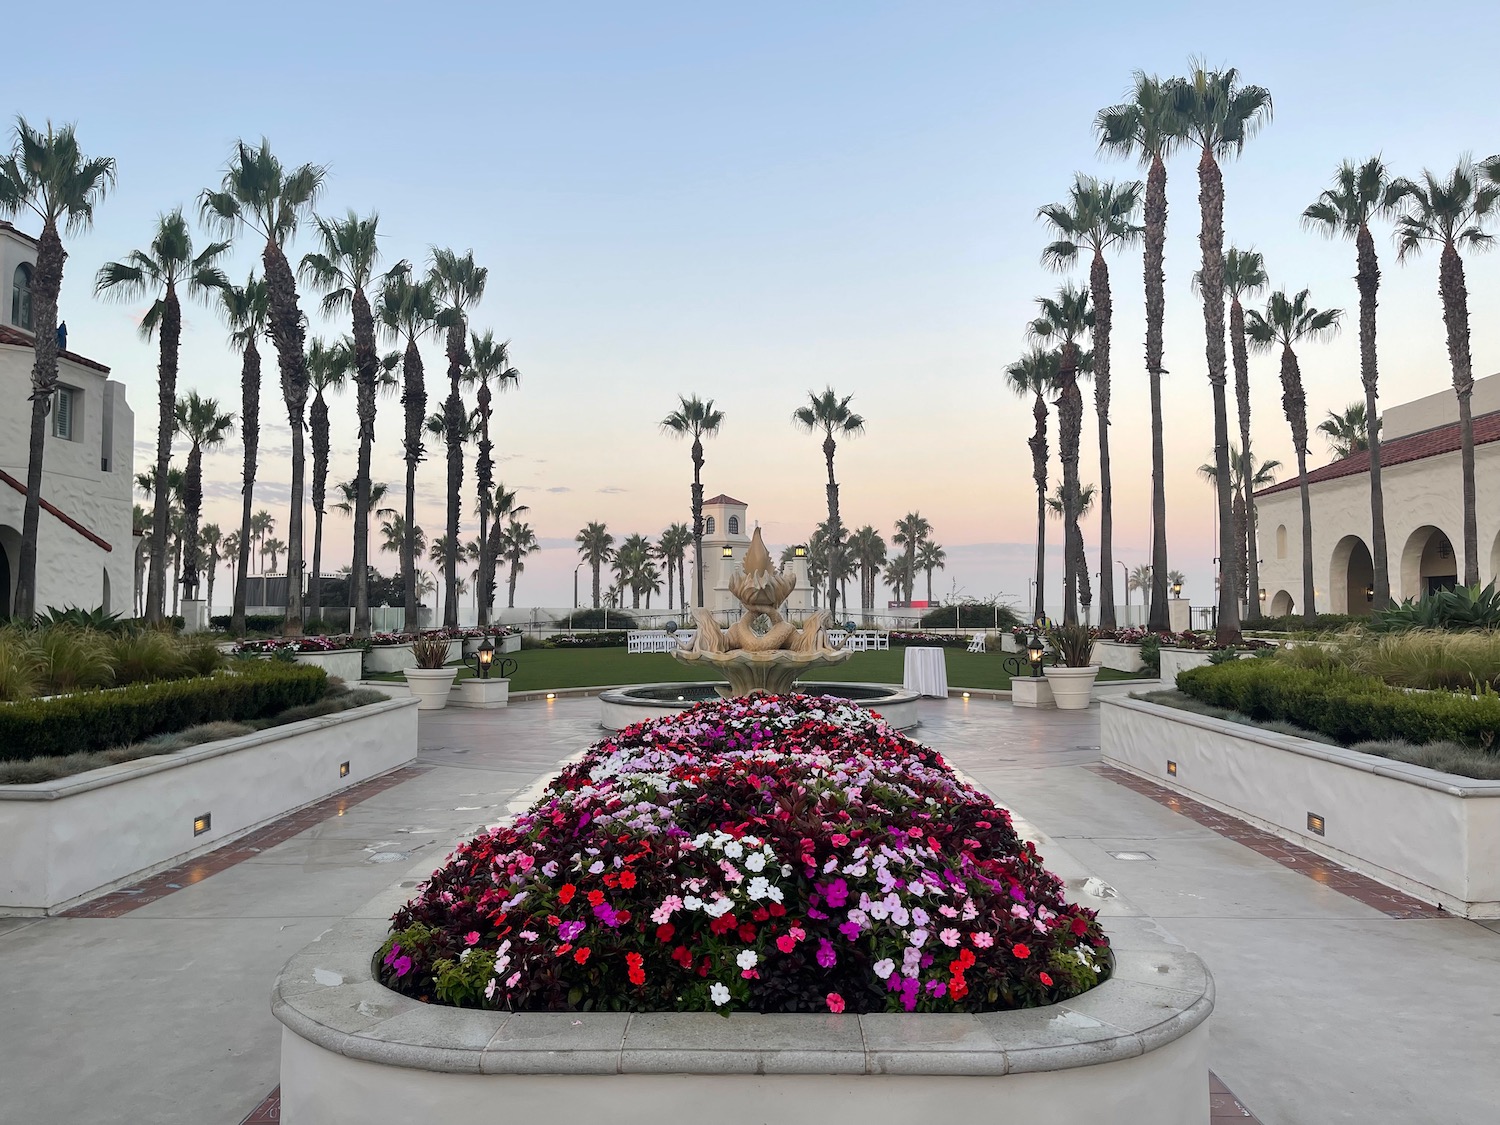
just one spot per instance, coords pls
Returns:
(658, 640)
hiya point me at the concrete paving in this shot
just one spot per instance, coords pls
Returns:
(1329, 1011)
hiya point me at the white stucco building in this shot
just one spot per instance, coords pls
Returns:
(84, 547)
(1422, 480)
(726, 537)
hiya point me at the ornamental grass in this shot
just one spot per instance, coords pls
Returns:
(768, 854)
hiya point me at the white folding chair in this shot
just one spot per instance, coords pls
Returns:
(976, 643)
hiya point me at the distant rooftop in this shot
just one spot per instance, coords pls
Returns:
(18, 339)
(724, 498)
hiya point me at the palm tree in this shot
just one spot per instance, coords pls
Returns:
(1146, 127)
(167, 267)
(894, 575)
(830, 414)
(274, 548)
(1064, 319)
(1083, 505)
(1246, 476)
(1362, 192)
(490, 363)
(395, 539)
(140, 531)
(47, 175)
(407, 310)
(245, 308)
(1140, 579)
(868, 550)
(219, 548)
(172, 536)
(261, 525)
(258, 195)
(698, 419)
(458, 284)
(931, 557)
(343, 270)
(1451, 214)
(519, 541)
(1348, 431)
(630, 563)
(1035, 374)
(1286, 322)
(327, 369)
(596, 546)
(673, 545)
(912, 531)
(1098, 215)
(1218, 115)
(504, 508)
(206, 427)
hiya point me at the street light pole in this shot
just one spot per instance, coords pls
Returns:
(1125, 570)
(575, 585)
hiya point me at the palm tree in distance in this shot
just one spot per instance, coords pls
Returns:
(140, 531)
(1063, 321)
(343, 270)
(218, 548)
(1287, 322)
(206, 427)
(395, 538)
(673, 545)
(349, 490)
(458, 284)
(912, 531)
(696, 419)
(1146, 127)
(1347, 431)
(490, 364)
(596, 546)
(274, 548)
(1083, 504)
(931, 557)
(166, 268)
(1035, 374)
(519, 541)
(245, 308)
(261, 525)
(1140, 579)
(327, 369)
(1359, 194)
(869, 552)
(1099, 215)
(258, 195)
(1451, 213)
(1247, 477)
(827, 412)
(407, 309)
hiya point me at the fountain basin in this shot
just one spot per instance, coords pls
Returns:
(623, 707)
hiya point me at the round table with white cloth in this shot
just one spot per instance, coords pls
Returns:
(926, 672)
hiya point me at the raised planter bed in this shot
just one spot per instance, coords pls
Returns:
(1175, 660)
(64, 840)
(1433, 835)
(1120, 657)
(345, 663)
(398, 658)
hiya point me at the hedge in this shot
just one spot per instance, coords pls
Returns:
(91, 721)
(1345, 706)
(254, 622)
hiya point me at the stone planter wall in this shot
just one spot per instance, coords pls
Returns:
(397, 658)
(1120, 657)
(1433, 835)
(66, 839)
(345, 663)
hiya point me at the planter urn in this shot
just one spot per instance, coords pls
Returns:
(430, 686)
(1072, 688)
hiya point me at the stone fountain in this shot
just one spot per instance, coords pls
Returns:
(761, 651)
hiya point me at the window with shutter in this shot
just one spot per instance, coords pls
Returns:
(62, 413)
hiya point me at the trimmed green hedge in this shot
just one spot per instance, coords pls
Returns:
(1343, 705)
(96, 720)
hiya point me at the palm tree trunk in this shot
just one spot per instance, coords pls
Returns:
(1211, 282)
(835, 532)
(1309, 595)
(1070, 430)
(453, 425)
(1247, 475)
(250, 431)
(414, 399)
(596, 564)
(213, 565)
(1368, 279)
(177, 575)
(170, 331)
(1294, 405)
(192, 505)
(1158, 620)
(484, 480)
(288, 334)
(511, 600)
(697, 522)
(1038, 443)
(366, 375)
(1455, 294)
(1103, 315)
(318, 417)
(681, 586)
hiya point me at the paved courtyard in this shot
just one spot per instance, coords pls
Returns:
(1337, 1001)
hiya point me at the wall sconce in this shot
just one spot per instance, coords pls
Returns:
(1370, 592)
(1171, 768)
(201, 824)
(343, 769)
(1315, 824)
(728, 552)
(1262, 593)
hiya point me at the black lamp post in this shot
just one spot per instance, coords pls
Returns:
(1177, 589)
(1035, 651)
(484, 656)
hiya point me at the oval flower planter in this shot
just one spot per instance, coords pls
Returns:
(430, 686)
(1072, 688)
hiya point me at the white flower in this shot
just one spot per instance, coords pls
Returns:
(884, 968)
(719, 994)
(692, 902)
(747, 959)
(759, 887)
(596, 867)
(755, 862)
(734, 849)
(918, 938)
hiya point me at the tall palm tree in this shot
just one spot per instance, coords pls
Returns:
(520, 541)
(868, 551)
(630, 561)
(48, 175)
(216, 547)
(1347, 431)
(673, 545)
(912, 531)
(1063, 322)
(1084, 497)
(1218, 115)
(597, 546)
(931, 557)
(261, 525)
(696, 419)
(245, 308)
(504, 509)
(1035, 374)
(260, 196)
(1360, 193)
(827, 412)
(407, 310)
(327, 370)
(166, 268)
(206, 427)
(1146, 126)
(1287, 322)
(893, 575)
(1451, 214)
(343, 270)
(1244, 276)
(1098, 215)
(1247, 476)
(458, 284)
(349, 490)
(490, 363)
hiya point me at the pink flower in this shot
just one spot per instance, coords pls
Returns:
(786, 943)
(949, 937)
(983, 941)
(471, 938)
(835, 1002)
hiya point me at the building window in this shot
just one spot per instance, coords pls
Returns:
(734, 525)
(708, 526)
(1281, 541)
(20, 297)
(64, 406)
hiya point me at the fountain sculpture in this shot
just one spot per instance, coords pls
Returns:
(761, 651)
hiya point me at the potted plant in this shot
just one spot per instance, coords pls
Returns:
(1072, 680)
(431, 680)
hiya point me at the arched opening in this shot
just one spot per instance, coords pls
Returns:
(734, 525)
(20, 297)
(1282, 604)
(708, 526)
(1281, 541)
(1428, 562)
(10, 559)
(1351, 577)
(1495, 559)
(104, 601)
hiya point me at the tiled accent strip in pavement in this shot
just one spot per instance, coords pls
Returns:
(248, 846)
(1392, 903)
(269, 1111)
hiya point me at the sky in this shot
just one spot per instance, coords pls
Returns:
(751, 203)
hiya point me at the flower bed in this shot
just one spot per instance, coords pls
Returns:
(771, 854)
(932, 640)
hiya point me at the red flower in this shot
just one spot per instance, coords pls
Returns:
(958, 988)
(582, 954)
(1045, 979)
(627, 879)
(566, 892)
(747, 932)
(564, 947)
(777, 910)
(665, 931)
(636, 973)
(683, 957)
(835, 1002)
(1019, 950)
(596, 897)
(1080, 926)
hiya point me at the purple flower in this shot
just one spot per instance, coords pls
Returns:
(402, 965)
(570, 930)
(838, 893)
(826, 956)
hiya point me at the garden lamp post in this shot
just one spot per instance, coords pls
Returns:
(483, 657)
(1035, 651)
(1177, 589)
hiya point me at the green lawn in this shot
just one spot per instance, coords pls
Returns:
(591, 667)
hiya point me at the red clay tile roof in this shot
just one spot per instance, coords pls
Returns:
(47, 507)
(16, 338)
(723, 498)
(1398, 451)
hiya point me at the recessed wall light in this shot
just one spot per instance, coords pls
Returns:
(202, 823)
(1171, 768)
(551, 695)
(343, 769)
(1315, 824)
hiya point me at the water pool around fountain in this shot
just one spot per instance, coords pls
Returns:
(623, 707)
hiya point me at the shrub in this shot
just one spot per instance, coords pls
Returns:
(22, 668)
(971, 615)
(596, 619)
(79, 618)
(1151, 653)
(586, 640)
(254, 622)
(1294, 623)
(430, 651)
(1461, 608)
(91, 721)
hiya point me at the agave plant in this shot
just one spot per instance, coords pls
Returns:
(1458, 609)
